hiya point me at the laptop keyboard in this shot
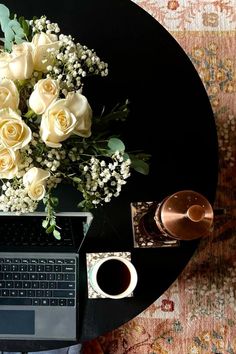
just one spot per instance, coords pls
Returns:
(37, 281)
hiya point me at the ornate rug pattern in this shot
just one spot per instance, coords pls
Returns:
(197, 314)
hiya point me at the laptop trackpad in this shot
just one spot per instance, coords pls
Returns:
(17, 322)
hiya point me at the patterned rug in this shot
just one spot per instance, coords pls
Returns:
(197, 314)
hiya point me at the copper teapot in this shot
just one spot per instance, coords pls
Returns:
(185, 215)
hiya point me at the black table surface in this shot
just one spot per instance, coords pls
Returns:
(170, 118)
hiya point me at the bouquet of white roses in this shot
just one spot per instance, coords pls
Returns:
(47, 127)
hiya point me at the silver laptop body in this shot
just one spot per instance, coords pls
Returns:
(38, 281)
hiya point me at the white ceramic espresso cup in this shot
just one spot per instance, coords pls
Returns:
(113, 277)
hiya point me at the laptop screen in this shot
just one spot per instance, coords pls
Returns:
(25, 232)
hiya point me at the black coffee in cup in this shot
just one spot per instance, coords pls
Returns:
(113, 277)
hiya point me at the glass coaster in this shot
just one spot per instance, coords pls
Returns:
(91, 259)
(146, 238)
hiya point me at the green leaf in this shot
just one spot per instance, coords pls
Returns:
(54, 201)
(4, 22)
(116, 144)
(9, 35)
(79, 188)
(50, 229)
(30, 112)
(8, 45)
(12, 30)
(53, 222)
(126, 156)
(18, 40)
(4, 11)
(16, 27)
(45, 224)
(57, 234)
(77, 179)
(140, 166)
(24, 24)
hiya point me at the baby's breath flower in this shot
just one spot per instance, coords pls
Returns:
(14, 198)
(44, 25)
(99, 183)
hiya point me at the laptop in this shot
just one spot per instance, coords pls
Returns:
(39, 276)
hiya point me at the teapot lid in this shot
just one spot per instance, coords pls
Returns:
(185, 215)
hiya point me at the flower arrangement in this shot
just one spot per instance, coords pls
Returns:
(48, 131)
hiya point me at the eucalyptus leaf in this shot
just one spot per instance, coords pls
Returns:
(8, 45)
(15, 25)
(4, 11)
(18, 40)
(9, 34)
(12, 30)
(116, 144)
(140, 166)
(4, 22)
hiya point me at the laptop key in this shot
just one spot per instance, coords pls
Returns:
(68, 268)
(50, 276)
(63, 293)
(36, 302)
(68, 276)
(15, 301)
(18, 284)
(53, 302)
(7, 276)
(45, 302)
(59, 276)
(59, 261)
(25, 276)
(22, 293)
(62, 302)
(69, 261)
(66, 285)
(70, 302)
(16, 276)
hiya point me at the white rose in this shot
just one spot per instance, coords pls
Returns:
(19, 64)
(5, 71)
(14, 133)
(8, 163)
(9, 95)
(57, 124)
(45, 92)
(34, 181)
(45, 47)
(79, 106)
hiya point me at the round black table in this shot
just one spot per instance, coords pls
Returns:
(170, 118)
